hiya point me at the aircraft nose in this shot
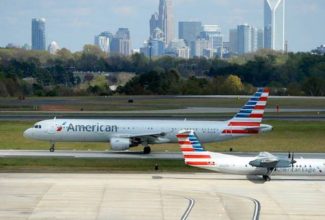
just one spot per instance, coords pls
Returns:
(28, 133)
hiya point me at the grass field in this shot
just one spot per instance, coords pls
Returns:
(45, 165)
(297, 136)
(119, 103)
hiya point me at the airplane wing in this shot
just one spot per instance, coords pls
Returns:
(150, 138)
(141, 135)
(267, 160)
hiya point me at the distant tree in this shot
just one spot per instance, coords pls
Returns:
(314, 86)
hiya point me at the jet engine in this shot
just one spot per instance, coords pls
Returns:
(123, 143)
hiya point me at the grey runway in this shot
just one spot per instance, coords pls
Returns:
(172, 196)
(129, 155)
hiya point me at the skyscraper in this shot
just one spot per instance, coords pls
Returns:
(244, 37)
(274, 12)
(189, 30)
(260, 39)
(121, 43)
(38, 34)
(154, 23)
(103, 41)
(233, 41)
(254, 39)
(164, 20)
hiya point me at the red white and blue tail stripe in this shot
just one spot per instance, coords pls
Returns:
(192, 149)
(249, 118)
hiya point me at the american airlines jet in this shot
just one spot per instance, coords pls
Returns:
(123, 134)
(265, 164)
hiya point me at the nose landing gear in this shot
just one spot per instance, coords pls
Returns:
(52, 148)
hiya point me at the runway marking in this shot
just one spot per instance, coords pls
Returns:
(189, 208)
(257, 204)
(257, 210)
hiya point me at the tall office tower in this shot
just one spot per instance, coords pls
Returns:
(121, 43)
(233, 41)
(274, 12)
(38, 34)
(189, 31)
(244, 36)
(103, 43)
(260, 39)
(165, 19)
(254, 38)
(154, 23)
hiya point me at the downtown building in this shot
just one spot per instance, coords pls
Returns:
(245, 39)
(38, 34)
(121, 42)
(189, 31)
(163, 20)
(209, 43)
(274, 24)
(103, 41)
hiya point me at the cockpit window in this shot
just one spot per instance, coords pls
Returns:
(37, 126)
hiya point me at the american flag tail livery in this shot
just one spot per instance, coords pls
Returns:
(193, 151)
(248, 120)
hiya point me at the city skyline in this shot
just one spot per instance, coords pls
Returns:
(73, 24)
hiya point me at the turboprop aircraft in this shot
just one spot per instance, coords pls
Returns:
(123, 134)
(264, 164)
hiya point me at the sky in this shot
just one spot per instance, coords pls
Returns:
(74, 23)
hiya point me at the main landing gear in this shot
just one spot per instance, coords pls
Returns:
(52, 148)
(147, 149)
(266, 178)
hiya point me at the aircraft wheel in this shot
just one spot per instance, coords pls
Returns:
(266, 178)
(52, 148)
(146, 150)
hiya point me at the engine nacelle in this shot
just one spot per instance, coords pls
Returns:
(120, 143)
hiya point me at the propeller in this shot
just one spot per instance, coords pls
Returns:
(289, 155)
(293, 161)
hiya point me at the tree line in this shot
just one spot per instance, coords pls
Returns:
(50, 75)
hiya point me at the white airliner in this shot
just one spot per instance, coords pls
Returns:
(265, 164)
(123, 134)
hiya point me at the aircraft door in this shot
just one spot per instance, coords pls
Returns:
(51, 129)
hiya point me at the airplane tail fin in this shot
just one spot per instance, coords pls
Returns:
(193, 151)
(248, 119)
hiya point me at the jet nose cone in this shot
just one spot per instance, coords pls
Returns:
(27, 133)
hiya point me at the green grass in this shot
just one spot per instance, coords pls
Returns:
(91, 165)
(298, 136)
(120, 103)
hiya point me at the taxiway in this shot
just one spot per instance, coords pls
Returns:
(158, 196)
(130, 155)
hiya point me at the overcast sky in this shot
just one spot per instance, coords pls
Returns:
(73, 23)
